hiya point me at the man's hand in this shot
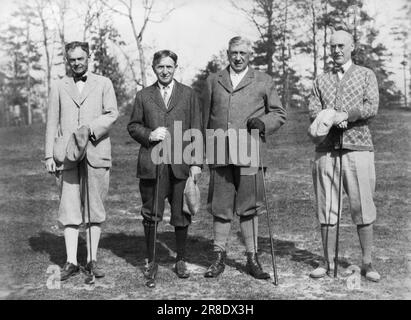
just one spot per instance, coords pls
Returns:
(343, 125)
(195, 173)
(255, 123)
(50, 165)
(339, 118)
(159, 134)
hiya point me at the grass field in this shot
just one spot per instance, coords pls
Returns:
(30, 240)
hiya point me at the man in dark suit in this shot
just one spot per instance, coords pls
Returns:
(239, 99)
(158, 109)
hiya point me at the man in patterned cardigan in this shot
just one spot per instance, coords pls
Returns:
(353, 92)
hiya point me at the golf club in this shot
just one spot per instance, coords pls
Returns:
(269, 225)
(339, 206)
(151, 283)
(90, 278)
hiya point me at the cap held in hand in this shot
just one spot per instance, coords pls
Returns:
(77, 144)
(321, 126)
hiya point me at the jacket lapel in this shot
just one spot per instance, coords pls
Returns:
(224, 80)
(156, 97)
(72, 90)
(175, 96)
(246, 80)
(88, 87)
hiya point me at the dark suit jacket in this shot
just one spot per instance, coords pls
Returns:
(227, 108)
(149, 113)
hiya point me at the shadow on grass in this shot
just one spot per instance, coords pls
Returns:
(132, 249)
(54, 246)
(284, 248)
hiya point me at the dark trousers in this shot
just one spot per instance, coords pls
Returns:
(230, 192)
(169, 187)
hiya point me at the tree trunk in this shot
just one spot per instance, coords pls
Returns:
(140, 48)
(325, 14)
(28, 80)
(314, 30)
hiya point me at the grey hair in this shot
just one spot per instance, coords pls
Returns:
(240, 40)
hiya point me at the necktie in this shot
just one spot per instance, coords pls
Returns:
(82, 78)
(166, 97)
(338, 69)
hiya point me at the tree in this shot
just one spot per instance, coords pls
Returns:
(274, 22)
(139, 27)
(105, 63)
(23, 61)
(217, 63)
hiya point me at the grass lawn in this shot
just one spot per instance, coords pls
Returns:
(31, 242)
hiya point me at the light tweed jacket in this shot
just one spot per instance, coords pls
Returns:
(357, 94)
(96, 106)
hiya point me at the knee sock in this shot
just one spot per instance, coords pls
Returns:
(181, 238)
(149, 231)
(71, 241)
(249, 230)
(221, 229)
(365, 234)
(95, 238)
(328, 235)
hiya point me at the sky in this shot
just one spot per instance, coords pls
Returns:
(198, 29)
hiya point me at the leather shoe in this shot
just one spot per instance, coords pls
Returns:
(218, 265)
(181, 269)
(68, 271)
(254, 267)
(97, 270)
(370, 273)
(150, 270)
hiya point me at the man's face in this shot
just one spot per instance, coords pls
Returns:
(164, 70)
(239, 57)
(78, 61)
(341, 47)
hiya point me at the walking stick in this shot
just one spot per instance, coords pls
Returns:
(339, 206)
(91, 278)
(269, 226)
(151, 283)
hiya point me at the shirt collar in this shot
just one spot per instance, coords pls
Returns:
(241, 74)
(170, 86)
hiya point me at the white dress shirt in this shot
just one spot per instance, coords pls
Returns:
(169, 90)
(237, 77)
(80, 84)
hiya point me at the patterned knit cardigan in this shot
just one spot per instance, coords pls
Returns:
(357, 94)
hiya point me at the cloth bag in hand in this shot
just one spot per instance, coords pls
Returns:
(191, 198)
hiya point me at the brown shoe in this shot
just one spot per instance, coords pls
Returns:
(68, 271)
(181, 269)
(97, 270)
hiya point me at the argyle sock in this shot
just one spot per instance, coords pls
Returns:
(365, 234)
(329, 235)
(71, 241)
(149, 236)
(249, 230)
(181, 238)
(221, 229)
